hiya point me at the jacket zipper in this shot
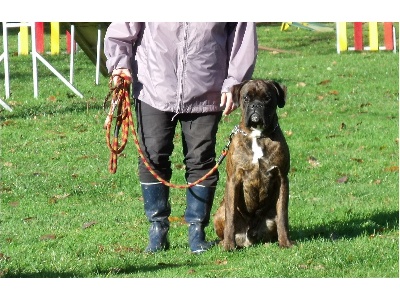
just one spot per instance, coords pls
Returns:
(182, 69)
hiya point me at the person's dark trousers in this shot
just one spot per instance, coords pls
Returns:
(156, 132)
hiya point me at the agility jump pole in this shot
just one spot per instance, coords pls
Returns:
(50, 67)
(98, 49)
(54, 42)
(35, 56)
(71, 39)
(389, 37)
(71, 49)
(23, 40)
(4, 56)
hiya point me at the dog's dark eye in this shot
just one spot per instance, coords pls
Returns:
(246, 98)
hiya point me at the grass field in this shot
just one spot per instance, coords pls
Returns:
(64, 215)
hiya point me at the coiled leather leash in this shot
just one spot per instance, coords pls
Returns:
(120, 102)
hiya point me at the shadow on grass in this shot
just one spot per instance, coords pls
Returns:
(129, 271)
(375, 224)
(48, 108)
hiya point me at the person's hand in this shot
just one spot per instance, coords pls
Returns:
(125, 73)
(226, 100)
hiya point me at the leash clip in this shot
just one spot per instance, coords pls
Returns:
(235, 130)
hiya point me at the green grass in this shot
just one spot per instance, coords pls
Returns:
(64, 215)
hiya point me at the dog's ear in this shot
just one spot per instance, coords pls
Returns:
(281, 93)
(235, 90)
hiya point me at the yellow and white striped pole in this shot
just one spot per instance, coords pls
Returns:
(373, 36)
(54, 38)
(23, 41)
(341, 36)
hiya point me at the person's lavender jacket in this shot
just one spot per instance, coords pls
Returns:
(182, 67)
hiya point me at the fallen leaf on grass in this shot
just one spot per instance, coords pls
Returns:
(365, 104)
(319, 267)
(8, 122)
(4, 257)
(303, 267)
(88, 224)
(284, 115)
(56, 198)
(359, 160)
(392, 169)
(180, 166)
(221, 262)
(123, 249)
(301, 84)
(14, 203)
(84, 157)
(48, 237)
(176, 219)
(313, 161)
(323, 82)
(52, 98)
(5, 189)
(343, 179)
(288, 133)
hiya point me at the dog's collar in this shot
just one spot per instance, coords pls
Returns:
(273, 130)
(237, 129)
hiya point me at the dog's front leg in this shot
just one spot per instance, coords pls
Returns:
(230, 215)
(282, 221)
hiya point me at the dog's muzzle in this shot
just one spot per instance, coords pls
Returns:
(255, 114)
(255, 118)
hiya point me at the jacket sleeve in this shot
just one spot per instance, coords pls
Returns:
(118, 44)
(242, 52)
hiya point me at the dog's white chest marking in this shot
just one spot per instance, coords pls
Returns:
(257, 151)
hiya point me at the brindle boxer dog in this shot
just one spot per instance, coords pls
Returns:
(255, 204)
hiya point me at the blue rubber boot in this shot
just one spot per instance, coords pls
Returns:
(157, 209)
(199, 200)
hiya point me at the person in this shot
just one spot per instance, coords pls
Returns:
(180, 72)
